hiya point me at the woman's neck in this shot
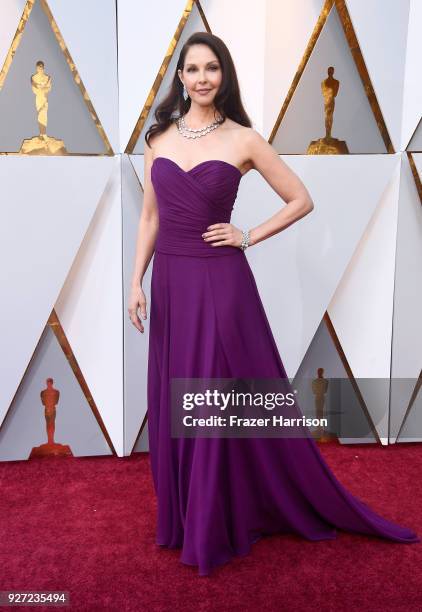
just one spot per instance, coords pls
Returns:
(199, 116)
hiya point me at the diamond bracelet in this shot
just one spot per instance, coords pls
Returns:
(245, 240)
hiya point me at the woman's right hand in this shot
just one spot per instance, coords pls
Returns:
(137, 300)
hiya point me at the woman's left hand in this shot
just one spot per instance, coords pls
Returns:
(223, 234)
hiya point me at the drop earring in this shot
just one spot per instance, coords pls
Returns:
(185, 92)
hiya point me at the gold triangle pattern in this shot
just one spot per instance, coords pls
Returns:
(412, 400)
(11, 53)
(348, 369)
(343, 13)
(56, 327)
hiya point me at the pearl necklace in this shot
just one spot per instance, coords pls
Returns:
(187, 132)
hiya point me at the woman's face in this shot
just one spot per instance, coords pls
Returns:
(201, 74)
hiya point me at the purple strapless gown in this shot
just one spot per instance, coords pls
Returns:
(216, 496)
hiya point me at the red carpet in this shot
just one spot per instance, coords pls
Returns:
(87, 526)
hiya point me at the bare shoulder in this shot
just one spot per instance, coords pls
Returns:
(247, 136)
(250, 143)
(159, 141)
(254, 140)
(238, 130)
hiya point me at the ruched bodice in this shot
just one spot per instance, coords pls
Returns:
(190, 201)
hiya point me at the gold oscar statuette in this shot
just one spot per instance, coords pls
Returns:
(328, 145)
(49, 398)
(42, 144)
(319, 389)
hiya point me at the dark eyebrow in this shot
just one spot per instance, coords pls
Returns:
(211, 62)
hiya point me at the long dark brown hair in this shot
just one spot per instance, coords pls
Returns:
(227, 101)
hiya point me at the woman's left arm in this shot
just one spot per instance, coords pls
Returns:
(265, 159)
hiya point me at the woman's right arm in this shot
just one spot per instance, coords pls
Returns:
(145, 244)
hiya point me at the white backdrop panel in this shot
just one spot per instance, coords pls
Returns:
(90, 308)
(11, 12)
(136, 343)
(89, 31)
(412, 94)
(407, 322)
(299, 269)
(48, 206)
(362, 308)
(289, 26)
(193, 24)
(145, 31)
(251, 35)
(381, 29)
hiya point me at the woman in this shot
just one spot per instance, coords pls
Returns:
(216, 496)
